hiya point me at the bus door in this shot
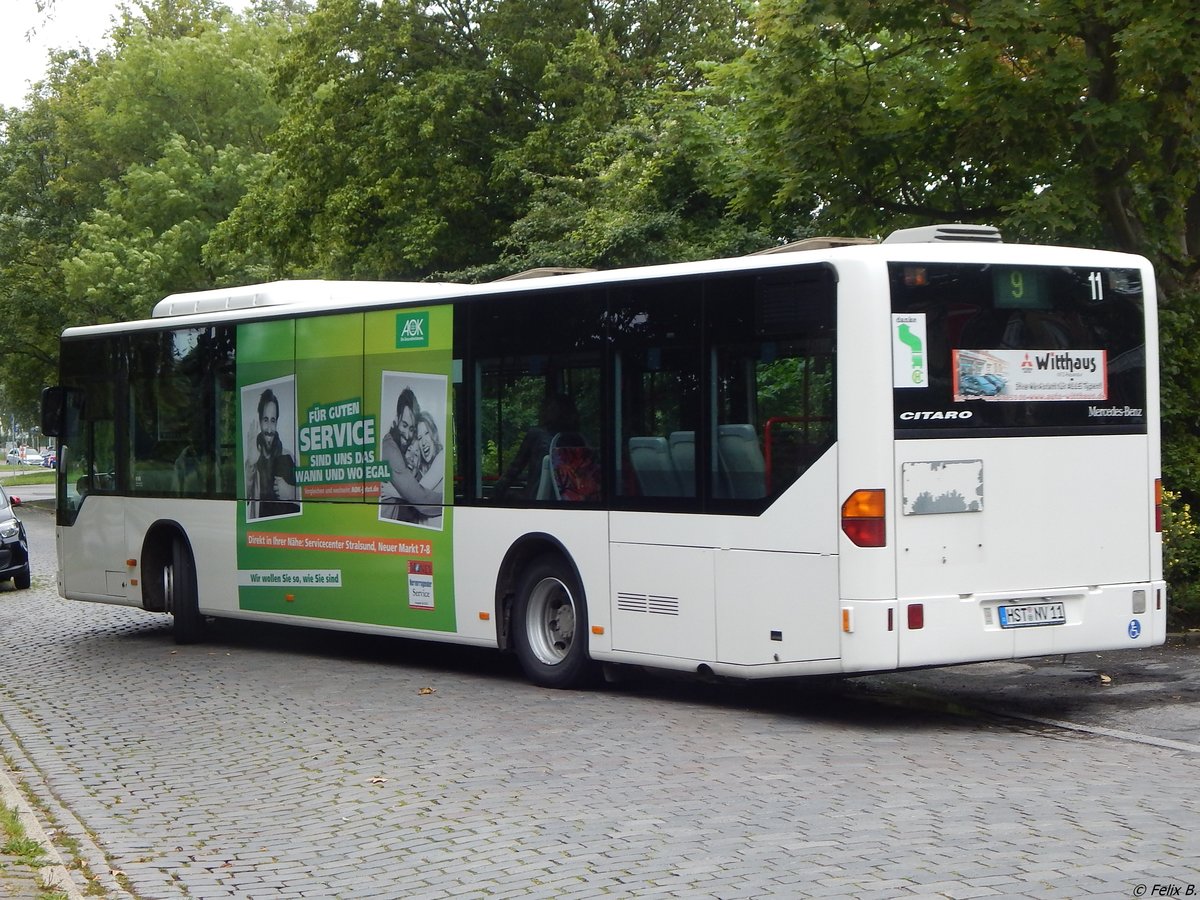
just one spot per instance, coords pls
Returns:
(91, 518)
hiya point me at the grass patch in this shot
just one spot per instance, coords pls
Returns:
(10, 475)
(62, 840)
(16, 843)
(23, 849)
(27, 851)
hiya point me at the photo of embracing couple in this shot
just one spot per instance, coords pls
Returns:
(414, 449)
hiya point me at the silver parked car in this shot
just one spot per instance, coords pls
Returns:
(27, 457)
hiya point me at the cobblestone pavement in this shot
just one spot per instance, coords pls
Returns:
(1147, 696)
(276, 762)
(19, 882)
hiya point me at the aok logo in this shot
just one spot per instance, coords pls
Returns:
(412, 330)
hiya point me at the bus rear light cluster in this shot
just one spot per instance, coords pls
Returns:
(863, 518)
(1158, 505)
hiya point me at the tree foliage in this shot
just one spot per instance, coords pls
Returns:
(1057, 120)
(424, 138)
(114, 174)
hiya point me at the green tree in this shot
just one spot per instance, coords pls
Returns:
(1056, 119)
(40, 209)
(179, 117)
(114, 174)
(416, 135)
(639, 194)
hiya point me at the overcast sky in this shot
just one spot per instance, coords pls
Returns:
(27, 35)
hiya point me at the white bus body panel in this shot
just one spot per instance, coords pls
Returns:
(731, 592)
(865, 435)
(483, 537)
(96, 548)
(1055, 524)
(1052, 515)
(866, 459)
(110, 531)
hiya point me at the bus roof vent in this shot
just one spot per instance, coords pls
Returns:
(814, 243)
(543, 272)
(295, 293)
(937, 233)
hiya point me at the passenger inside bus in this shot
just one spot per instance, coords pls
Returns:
(523, 476)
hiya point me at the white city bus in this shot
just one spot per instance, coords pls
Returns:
(844, 458)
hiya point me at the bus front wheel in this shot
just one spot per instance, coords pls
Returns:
(180, 594)
(550, 625)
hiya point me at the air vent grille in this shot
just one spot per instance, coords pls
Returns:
(653, 604)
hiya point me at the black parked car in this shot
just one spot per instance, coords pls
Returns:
(14, 546)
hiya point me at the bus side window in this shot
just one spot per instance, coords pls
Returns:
(538, 377)
(181, 416)
(774, 367)
(740, 463)
(656, 366)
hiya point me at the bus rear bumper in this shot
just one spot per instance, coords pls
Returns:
(976, 627)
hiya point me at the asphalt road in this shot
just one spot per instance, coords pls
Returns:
(279, 762)
(43, 493)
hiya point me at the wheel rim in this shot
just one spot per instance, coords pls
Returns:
(550, 621)
(168, 586)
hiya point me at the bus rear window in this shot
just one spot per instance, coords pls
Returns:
(985, 350)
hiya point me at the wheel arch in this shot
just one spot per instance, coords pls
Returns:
(523, 551)
(156, 553)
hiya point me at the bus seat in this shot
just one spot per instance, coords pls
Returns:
(741, 461)
(545, 490)
(575, 469)
(683, 455)
(651, 460)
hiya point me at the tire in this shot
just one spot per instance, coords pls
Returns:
(180, 594)
(550, 625)
(22, 580)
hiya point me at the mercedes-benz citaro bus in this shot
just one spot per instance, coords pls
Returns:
(843, 457)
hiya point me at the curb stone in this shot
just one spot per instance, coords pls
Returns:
(51, 877)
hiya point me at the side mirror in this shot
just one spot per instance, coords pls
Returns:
(14, 501)
(53, 404)
(61, 410)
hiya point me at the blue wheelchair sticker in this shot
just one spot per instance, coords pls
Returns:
(1135, 629)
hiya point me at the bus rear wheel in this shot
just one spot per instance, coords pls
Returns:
(550, 625)
(180, 594)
